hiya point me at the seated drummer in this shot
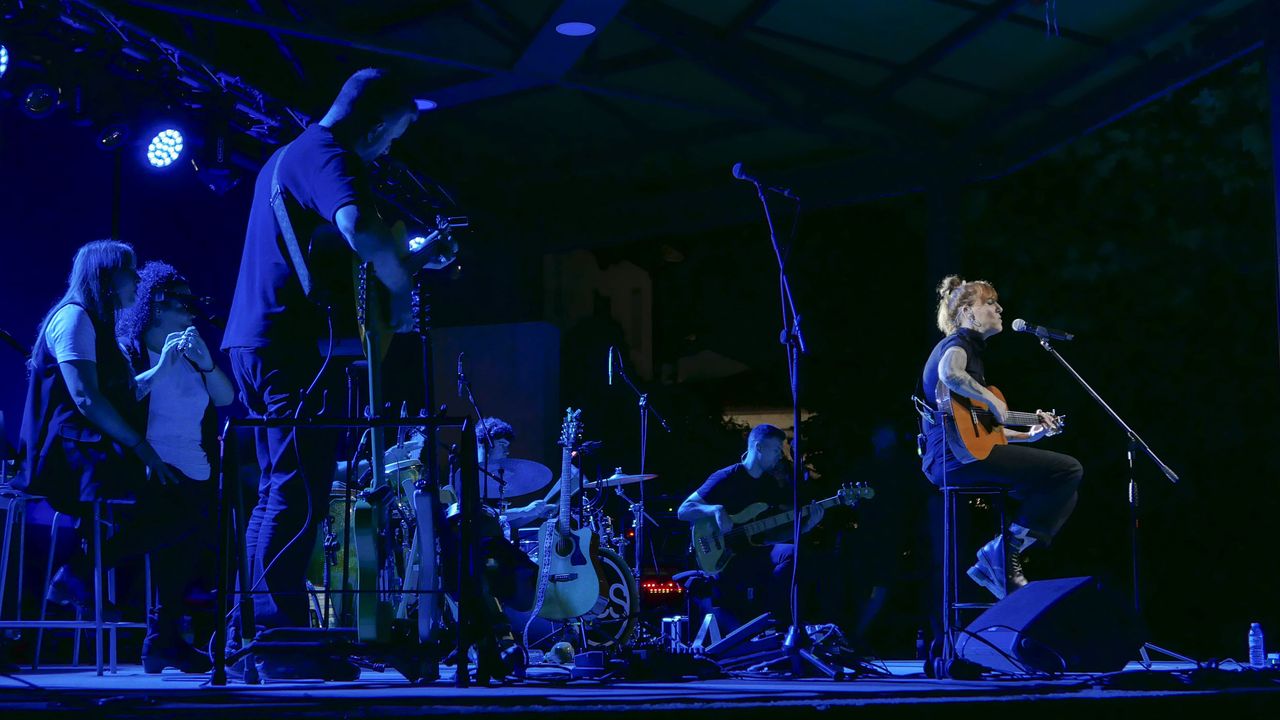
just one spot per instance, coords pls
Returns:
(493, 449)
(510, 577)
(758, 578)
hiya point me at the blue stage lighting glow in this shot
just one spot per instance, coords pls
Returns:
(425, 104)
(575, 29)
(165, 148)
(4, 60)
(417, 243)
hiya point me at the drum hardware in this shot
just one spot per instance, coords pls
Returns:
(617, 479)
(514, 477)
(634, 507)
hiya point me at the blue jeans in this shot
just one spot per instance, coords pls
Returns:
(297, 471)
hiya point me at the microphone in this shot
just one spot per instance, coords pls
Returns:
(1044, 333)
(12, 342)
(610, 365)
(462, 379)
(741, 172)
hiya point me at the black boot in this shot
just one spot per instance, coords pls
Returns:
(164, 646)
(72, 584)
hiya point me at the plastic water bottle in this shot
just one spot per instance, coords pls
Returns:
(1257, 652)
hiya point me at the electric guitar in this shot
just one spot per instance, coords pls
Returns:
(971, 429)
(376, 573)
(568, 582)
(713, 549)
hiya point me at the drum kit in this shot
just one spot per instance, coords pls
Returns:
(609, 624)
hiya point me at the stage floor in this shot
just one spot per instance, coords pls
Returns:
(1171, 689)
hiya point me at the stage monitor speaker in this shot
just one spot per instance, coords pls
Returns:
(1067, 625)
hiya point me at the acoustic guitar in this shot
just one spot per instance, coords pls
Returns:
(971, 428)
(568, 582)
(713, 549)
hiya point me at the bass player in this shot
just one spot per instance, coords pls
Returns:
(758, 579)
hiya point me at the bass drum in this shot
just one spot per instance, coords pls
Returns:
(610, 622)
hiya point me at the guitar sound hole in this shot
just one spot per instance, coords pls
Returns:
(564, 547)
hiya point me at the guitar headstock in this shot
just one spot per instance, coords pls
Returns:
(437, 248)
(571, 428)
(850, 494)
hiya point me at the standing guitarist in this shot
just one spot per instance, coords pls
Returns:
(275, 330)
(1043, 482)
(758, 578)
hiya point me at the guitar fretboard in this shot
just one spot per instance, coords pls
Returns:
(786, 518)
(1014, 418)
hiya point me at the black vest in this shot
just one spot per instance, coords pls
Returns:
(69, 459)
(936, 451)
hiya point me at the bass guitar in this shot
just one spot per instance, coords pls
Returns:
(713, 549)
(971, 428)
(568, 582)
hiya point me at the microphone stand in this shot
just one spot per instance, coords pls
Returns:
(12, 342)
(464, 390)
(1135, 443)
(637, 508)
(797, 645)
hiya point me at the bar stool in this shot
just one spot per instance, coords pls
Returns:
(952, 608)
(103, 515)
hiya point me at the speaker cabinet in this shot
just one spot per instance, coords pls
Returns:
(1066, 625)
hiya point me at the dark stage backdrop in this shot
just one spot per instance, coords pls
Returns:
(1153, 240)
(57, 195)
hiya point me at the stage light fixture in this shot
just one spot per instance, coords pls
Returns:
(575, 29)
(41, 100)
(213, 165)
(4, 60)
(165, 148)
(111, 137)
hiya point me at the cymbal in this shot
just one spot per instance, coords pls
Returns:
(618, 479)
(522, 477)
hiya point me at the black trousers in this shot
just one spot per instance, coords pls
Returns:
(293, 492)
(1043, 482)
(756, 581)
(168, 521)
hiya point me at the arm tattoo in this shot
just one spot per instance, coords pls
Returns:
(957, 379)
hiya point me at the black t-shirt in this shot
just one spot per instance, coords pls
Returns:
(319, 177)
(735, 489)
(936, 449)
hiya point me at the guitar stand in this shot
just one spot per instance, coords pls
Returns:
(405, 655)
(798, 647)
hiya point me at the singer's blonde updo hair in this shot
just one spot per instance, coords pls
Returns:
(954, 292)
